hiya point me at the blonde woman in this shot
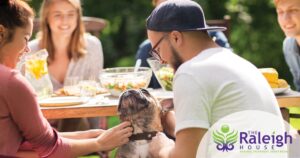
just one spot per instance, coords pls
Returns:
(21, 120)
(72, 52)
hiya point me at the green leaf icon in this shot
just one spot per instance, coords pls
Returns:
(224, 138)
(225, 129)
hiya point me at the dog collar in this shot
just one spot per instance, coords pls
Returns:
(143, 136)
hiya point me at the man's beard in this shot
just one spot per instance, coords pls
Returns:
(176, 60)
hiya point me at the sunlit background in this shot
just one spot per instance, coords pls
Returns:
(254, 32)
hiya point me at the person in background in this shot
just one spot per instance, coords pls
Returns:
(178, 35)
(145, 47)
(21, 120)
(288, 12)
(72, 52)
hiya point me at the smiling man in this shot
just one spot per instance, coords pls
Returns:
(288, 12)
(210, 82)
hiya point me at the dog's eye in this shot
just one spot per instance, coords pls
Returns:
(144, 91)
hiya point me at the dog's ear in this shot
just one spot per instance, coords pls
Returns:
(121, 109)
(167, 104)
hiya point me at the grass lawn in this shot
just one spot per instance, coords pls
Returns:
(295, 122)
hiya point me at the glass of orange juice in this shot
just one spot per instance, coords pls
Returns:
(37, 67)
(36, 72)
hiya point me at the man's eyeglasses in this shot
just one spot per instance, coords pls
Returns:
(153, 52)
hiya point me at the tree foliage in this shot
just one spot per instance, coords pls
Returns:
(255, 34)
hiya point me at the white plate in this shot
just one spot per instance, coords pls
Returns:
(281, 90)
(62, 101)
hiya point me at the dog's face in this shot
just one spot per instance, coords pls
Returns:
(141, 109)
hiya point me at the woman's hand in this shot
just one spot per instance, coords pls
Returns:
(114, 137)
(94, 133)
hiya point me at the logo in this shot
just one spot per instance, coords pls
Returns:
(250, 133)
(249, 141)
(225, 139)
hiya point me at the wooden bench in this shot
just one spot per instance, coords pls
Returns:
(221, 22)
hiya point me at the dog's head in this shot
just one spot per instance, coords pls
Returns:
(141, 109)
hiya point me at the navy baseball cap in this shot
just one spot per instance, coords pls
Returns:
(180, 15)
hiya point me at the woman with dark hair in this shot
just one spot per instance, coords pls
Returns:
(21, 120)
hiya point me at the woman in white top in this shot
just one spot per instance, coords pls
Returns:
(72, 52)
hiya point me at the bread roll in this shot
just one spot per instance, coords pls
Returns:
(270, 74)
(282, 83)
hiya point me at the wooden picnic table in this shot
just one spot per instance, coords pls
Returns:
(109, 108)
(289, 99)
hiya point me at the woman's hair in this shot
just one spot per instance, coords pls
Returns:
(13, 14)
(76, 48)
(154, 2)
(277, 1)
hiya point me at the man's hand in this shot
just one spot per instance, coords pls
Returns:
(168, 122)
(168, 116)
(187, 141)
(161, 146)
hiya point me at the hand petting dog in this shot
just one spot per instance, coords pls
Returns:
(115, 137)
(144, 112)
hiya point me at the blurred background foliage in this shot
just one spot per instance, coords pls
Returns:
(255, 34)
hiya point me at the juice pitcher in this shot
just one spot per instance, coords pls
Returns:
(36, 72)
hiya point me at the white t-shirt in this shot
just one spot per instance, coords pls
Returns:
(216, 83)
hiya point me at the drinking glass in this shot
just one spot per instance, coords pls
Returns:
(71, 86)
(88, 88)
(36, 72)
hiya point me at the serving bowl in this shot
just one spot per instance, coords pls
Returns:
(117, 80)
(163, 73)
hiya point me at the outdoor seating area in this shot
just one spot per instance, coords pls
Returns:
(149, 79)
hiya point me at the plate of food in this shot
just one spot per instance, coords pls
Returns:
(281, 90)
(277, 84)
(75, 91)
(62, 101)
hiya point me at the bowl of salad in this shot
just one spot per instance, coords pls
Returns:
(117, 80)
(163, 72)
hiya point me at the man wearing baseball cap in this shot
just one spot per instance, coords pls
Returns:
(210, 82)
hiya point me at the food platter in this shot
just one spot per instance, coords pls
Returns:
(62, 101)
(281, 90)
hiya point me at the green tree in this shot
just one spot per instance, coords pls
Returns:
(255, 34)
